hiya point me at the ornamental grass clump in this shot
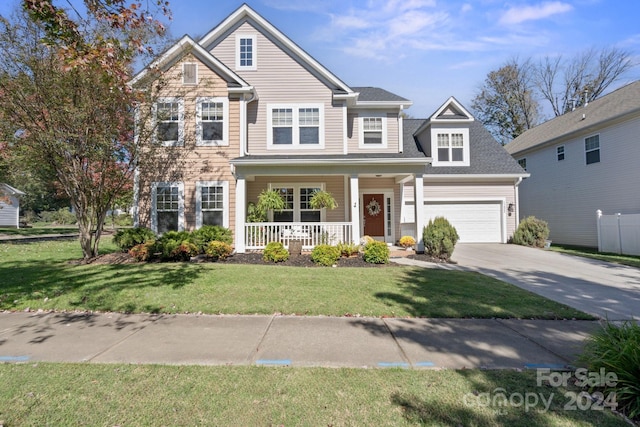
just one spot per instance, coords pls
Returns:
(376, 252)
(440, 238)
(615, 349)
(531, 232)
(326, 255)
(275, 252)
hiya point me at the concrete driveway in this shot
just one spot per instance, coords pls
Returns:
(603, 289)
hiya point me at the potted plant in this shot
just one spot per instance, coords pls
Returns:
(321, 199)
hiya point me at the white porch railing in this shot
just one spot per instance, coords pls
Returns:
(258, 234)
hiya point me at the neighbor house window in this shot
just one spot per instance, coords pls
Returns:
(592, 149)
(560, 153)
(212, 202)
(297, 200)
(523, 163)
(373, 131)
(169, 116)
(246, 52)
(167, 207)
(450, 147)
(212, 123)
(189, 73)
(300, 126)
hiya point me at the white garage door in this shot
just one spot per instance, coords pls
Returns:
(475, 222)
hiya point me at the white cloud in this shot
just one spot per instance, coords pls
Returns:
(517, 15)
(466, 8)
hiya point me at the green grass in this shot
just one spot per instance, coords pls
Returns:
(38, 231)
(630, 260)
(37, 275)
(80, 394)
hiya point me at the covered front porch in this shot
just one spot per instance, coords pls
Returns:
(368, 194)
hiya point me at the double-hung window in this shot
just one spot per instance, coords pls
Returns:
(299, 126)
(212, 201)
(450, 147)
(592, 149)
(167, 207)
(560, 153)
(212, 121)
(246, 52)
(169, 117)
(373, 130)
(297, 199)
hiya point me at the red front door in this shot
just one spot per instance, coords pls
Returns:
(373, 214)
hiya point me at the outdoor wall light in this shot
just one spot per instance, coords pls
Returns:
(510, 209)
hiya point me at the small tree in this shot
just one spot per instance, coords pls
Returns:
(440, 238)
(531, 232)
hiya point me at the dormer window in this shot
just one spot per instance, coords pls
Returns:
(246, 50)
(451, 146)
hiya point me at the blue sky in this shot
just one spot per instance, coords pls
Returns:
(427, 50)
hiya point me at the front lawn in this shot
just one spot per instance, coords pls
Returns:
(86, 394)
(39, 276)
(630, 260)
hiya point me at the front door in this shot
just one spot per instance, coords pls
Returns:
(373, 215)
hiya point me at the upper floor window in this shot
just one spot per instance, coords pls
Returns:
(373, 131)
(169, 117)
(523, 163)
(592, 149)
(246, 52)
(295, 126)
(212, 121)
(450, 147)
(560, 153)
(189, 73)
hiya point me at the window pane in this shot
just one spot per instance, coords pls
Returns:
(212, 111)
(168, 111)
(305, 197)
(372, 123)
(560, 151)
(246, 52)
(443, 140)
(457, 140)
(212, 197)
(212, 218)
(593, 157)
(167, 221)
(309, 117)
(523, 163)
(457, 154)
(282, 117)
(282, 136)
(443, 154)
(212, 131)
(167, 131)
(310, 216)
(284, 216)
(309, 135)
(287, 195)
(373, 137)
(592, 143)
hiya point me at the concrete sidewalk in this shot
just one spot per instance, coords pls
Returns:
(290, 340)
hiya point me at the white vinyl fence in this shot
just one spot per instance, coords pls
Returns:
(619, 233)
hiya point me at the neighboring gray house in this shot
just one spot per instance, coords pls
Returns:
(9, 206)
(580, 162)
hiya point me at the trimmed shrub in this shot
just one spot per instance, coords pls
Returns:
(376, 252)
(218, 250)
(348, 249)
(616, 349)
(531, 232)
(176, 246)
(275, 252)
(142, 251)
(440, 238)
(211, 233)
(127, 238)
(407, 241)
(326, 255)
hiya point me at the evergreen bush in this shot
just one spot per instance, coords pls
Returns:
(218, 250)
(531, 232)
(440, 238)
(326, 255)
(127, 238)
(275, 252)
(376, 252)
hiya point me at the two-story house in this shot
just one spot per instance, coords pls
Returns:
(246, 109)
(583, 161)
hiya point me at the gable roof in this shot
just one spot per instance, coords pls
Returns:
(7, 189)
(376, 96)
(487, 156)
(246, 13)
(611, 108)
(183, 47)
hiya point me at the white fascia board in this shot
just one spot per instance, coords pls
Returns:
(474, 177)
(383, 104)
(245, 11)
(292, 162)
(454, 101)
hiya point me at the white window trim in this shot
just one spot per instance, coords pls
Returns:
(183, 74)
(254, 52)
(225, 200)
(295, 127)
(180, 141)
(465, 147)
(225, 123)
(361, 117)
(564, 153)
(296, 198)
(593, 149)
(154, 213)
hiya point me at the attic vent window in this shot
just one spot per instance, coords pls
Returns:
(189, 73)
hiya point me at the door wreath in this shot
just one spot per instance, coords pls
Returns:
(373, 207)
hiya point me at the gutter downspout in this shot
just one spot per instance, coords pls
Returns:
(244, 151)
(517, 210)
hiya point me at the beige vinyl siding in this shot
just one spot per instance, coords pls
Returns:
(353, 134)
(567, 193)
(334, 184)
(279, 79)
(191, 163)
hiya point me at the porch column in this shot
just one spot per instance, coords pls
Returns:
(355, 208)
(418, 196)
(241, 201)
